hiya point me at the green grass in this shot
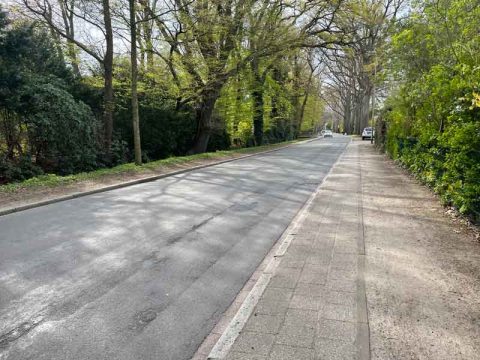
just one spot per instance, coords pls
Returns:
(52, 180)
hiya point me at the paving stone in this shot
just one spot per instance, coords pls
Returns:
(339, 330)
(254, 343)
(277, 294)
(311, 223)
(343, 266)
(264, 323)
(304, 239)
(320, 252)
(318, 268)
(234, 355)
(341, 259)
(292, 262)
(304, 242)
(346, 249)
(311, 277)
(340, 297)
(271, 307)
(302, 336)
(307, 289)
(338, 312)
(305, 302)
(285, 278)
(324, 259)
(299, 317)
(340, 274)
(300, 251)
(328, 349)
(342, 240)
(287, 272)
(345, 285)
(326, 231)
(280, 281)
(324, 245)
(284, 352)
(305, 230)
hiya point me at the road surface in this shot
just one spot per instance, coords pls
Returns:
(146, 271)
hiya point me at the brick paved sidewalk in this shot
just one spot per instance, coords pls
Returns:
(314, 305)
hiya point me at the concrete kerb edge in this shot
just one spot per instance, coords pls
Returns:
(224, 344)
(138, 181)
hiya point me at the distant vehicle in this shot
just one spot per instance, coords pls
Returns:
(327, 133)
(367, 133)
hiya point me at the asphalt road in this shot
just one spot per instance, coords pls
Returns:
(145, 272)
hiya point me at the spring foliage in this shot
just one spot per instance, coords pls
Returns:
(433, 119)
(51, 115)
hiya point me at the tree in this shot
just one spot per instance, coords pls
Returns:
(211, 41)
(44, 128)
(54, 14)
(433, 115)
(352, 68)
(134, 78)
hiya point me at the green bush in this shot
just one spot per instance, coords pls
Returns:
(19, 170)
(449, 163)
(60, 129)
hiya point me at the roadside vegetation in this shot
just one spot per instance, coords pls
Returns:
(432, 118)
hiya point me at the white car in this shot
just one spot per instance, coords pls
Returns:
(367, 133)
(327, 133)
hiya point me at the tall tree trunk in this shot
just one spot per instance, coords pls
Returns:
(302, 111)
(275, 112)
(204, 119)
(56, 38)
(258, 109)
(108, 73)
(147, 33)
(365, 110)
(297, 106)
(258, 105)
(357, 116)
(134, 65)
(305, 100)
(72, 55)
(67, 9)
(347, 113)
(72, 51)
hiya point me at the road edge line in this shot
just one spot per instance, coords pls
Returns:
(77, 195)
(224, 344)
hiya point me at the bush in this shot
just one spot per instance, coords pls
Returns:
(19, 170)
(60, 129)
(449, 163)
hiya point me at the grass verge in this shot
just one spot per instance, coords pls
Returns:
(52, 180)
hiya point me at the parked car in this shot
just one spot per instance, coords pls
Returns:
(367, 133)
(327, 133)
